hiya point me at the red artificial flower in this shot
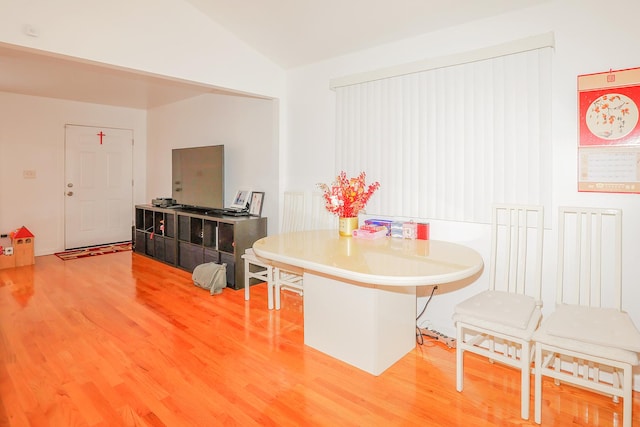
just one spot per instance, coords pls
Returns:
(347, 196)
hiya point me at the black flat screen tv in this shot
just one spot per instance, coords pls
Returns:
(198, 176)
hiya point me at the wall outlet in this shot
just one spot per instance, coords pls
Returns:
(8, 250)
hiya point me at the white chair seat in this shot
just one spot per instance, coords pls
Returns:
(603, 332)
(595, 325)
(500, 308)
(543, 336)
(513, 332)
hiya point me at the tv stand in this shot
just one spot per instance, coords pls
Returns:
(188, 236)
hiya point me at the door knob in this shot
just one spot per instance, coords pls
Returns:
(69, 193)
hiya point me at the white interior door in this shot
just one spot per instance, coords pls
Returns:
(98, 185)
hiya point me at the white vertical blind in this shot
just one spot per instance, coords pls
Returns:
(447, 143)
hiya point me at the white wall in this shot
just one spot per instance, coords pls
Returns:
(32, 138)
(589, 38)
(248, 129)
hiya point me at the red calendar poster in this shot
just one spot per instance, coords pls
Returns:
(609, 131)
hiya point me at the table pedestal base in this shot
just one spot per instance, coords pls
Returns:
(368, 326)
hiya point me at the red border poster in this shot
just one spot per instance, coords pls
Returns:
(609, 131)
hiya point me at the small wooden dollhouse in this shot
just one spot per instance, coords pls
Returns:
(23, 241)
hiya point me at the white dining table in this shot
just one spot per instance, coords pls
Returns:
(360, 295)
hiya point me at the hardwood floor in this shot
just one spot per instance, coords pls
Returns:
(122, 340)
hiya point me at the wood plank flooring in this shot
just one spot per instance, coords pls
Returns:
(122, 340)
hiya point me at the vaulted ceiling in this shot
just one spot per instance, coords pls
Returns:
(289, 32)
(298, 32)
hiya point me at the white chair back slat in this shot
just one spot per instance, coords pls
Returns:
(618, 256)
(293, 211)
(589, 271)
(494, 248)
(320, 219)
(516, 249)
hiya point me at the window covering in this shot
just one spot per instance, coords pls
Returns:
(447, 143)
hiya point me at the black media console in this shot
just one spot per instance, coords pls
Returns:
(187, 237)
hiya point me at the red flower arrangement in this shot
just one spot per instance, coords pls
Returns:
(347, 196)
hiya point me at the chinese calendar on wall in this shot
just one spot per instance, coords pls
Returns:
(609, 132)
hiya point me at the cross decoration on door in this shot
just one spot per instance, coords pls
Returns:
(101, 134)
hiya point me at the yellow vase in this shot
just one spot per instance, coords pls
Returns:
(347, 225)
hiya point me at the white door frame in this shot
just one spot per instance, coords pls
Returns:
(98, 185)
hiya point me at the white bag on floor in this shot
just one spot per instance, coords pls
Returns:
(210, 276)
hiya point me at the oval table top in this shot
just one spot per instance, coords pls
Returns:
(383, 261)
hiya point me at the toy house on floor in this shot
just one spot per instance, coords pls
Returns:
(21, 251)
(22, 240)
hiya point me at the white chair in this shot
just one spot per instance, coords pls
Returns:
(588, 340)
(288, 277)
(276, 278)
(499, 322)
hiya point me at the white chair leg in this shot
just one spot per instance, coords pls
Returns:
(459, 359)
(525, 383)
(270, 288)
(276, 291)
(247, 280)
(556, 365)
(616, 383)
(538, 385)
(627, 392)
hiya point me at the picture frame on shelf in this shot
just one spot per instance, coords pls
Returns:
(241, 200)
(257, 199)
